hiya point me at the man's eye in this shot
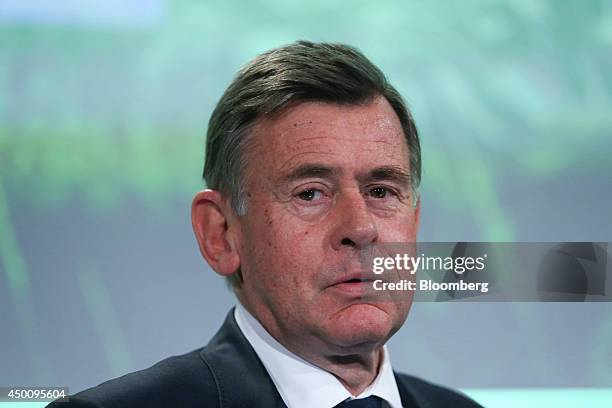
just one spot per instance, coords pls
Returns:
(310, 195)
(379, 192)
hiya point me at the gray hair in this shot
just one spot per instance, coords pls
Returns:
(299, 72)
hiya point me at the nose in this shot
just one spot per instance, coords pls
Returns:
(355, 226)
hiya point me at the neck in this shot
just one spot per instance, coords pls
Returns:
(355, 372)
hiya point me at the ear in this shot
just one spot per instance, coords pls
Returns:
(214, 223)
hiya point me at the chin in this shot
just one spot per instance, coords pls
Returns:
(362, 327)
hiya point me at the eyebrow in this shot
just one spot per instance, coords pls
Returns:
(394, 174)
(387, 173)
(311, 170)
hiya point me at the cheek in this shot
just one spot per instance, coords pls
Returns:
(279, 243)
(390, 232)
(280, 225)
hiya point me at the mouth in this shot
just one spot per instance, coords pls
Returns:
(353, 277)
(357, 280)
(353, 284)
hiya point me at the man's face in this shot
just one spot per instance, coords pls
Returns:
(325, 184)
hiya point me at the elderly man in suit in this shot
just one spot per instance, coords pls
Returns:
(312, 159)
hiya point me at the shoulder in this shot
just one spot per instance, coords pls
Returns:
(432, 395)
(178, 381)
(209, 377)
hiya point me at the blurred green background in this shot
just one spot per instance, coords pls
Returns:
(103, 112)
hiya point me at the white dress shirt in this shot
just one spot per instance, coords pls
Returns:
(302, 384)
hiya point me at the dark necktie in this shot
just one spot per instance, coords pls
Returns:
(370, 402)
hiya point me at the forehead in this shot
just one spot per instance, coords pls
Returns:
(353, 136)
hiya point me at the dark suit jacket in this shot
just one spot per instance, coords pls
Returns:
(226, 374)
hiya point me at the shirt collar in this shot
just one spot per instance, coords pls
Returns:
(302, 384)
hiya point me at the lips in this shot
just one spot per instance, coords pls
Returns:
(353, 284)
(357, 277)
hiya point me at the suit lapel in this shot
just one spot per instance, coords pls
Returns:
(407, 397)
(242, 380)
